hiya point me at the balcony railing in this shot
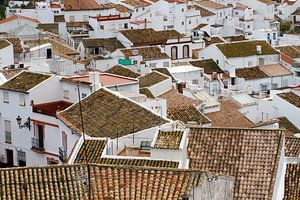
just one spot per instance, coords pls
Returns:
(62, 154)
(36, 144)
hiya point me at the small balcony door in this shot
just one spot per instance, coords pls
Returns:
(10, 157)
(41, 136)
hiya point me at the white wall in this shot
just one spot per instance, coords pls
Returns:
(6, 56)
(162, 87)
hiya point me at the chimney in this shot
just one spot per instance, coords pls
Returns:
(258, 50)
(94, 79)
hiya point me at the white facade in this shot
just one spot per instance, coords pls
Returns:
(6, 56)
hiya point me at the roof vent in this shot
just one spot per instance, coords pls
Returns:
(258, 50)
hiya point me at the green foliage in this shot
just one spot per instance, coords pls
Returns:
(2, 12)
(285, 27)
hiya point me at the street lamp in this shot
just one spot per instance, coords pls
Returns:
(26, 123)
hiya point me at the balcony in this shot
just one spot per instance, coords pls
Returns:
(37, 145)
(62, 154)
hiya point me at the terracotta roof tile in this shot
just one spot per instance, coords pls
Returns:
(152, 79)
(187, 114)
(168, 140)
(62, 182)
(90, 151)
(137, 3)
(291, 98)
(213, 40)
(240, 153)
(24, 81)
(144, 37)
(208, 65)
(16, 17)
(246, 48)
(176, 99)
(110, 44)
(148, 53)
(284, 123)
(122, 71)
(50, 108)
(17, 44)
(50, 27)
(228, 116)
(292, 182)
(165, 71)
(251, 73)
(292, 147)
(235, 38)
(291, 51)
(9, 73)
(4, 43)
(137, 162)
(59, 18)
(106, 114)
(78, 5)
(147, 92)
(213, 5)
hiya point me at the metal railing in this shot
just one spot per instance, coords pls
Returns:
(62, 154)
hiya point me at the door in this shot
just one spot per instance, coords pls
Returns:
(41, 136)
(49, 53)
(10, 157)
(295, 19)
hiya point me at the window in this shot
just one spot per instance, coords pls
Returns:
(22, 99)
(190, 22)
(264, 87)
(166, 64)
(174, 55)
(83, 95)
(72, 18)
(195, 81)
(250, 63)
(7, 128)
(101, 27)
(21, 158)
(274, 36)
(182, 23)
(126, 25)
(152, 65)
(66, 94)
(185, 51)
(5, 97)
(274, 85)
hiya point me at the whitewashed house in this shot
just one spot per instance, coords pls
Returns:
(10, 23)
(244, 19)
(6, 54)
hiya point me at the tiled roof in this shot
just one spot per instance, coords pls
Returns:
(235, 38)
(90, 151)
(213, 5)
(228, 116)
(143, 37)
(165, 71)
(138, 162)
(152, 79)
(110, 44)
(122, 71)
(16, 43)
(50, 108)
(203, 12)
(296, 12)
(246, 48)
(213, 40)
(148, 53)
(106, 114)
(291, 98)
(136, 3)
(291, 51)
(50, 27)
(292, 182)
(17, 17)
(187, 114)
(288, 125)
(208, 65)
(292, 147)
(24, 81)
(9, 73)
(251, 73)
(240, 153)
(168, 140)
(273, 70)
(147, 92)
(78, 5)
(266, 1)
(199, 26)
(62, 182)
(3, 44)
(176, 99)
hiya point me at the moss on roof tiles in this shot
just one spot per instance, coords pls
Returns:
(288, 125)
(122, 71)
(106, 114)
(152, 79)
(208, 65)
(3, 44)
(246, 48)
(251, 73)
(24, 81)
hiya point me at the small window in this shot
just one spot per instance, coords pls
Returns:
(274, 36)
(182, 23)
(7, 130)
(83, 95)
(264, 87)
(5, 97)
(152, 65)
(182, 10)
(21, 158)
(250, 63)
(190, 22)
(186, 51)
(195, 82)
(66, 94)
(166, 64)
(22, 100)
(126, 25)
(101, 27)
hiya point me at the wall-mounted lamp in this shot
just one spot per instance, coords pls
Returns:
(26, 123)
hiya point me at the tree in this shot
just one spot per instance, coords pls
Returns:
(285, 27)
